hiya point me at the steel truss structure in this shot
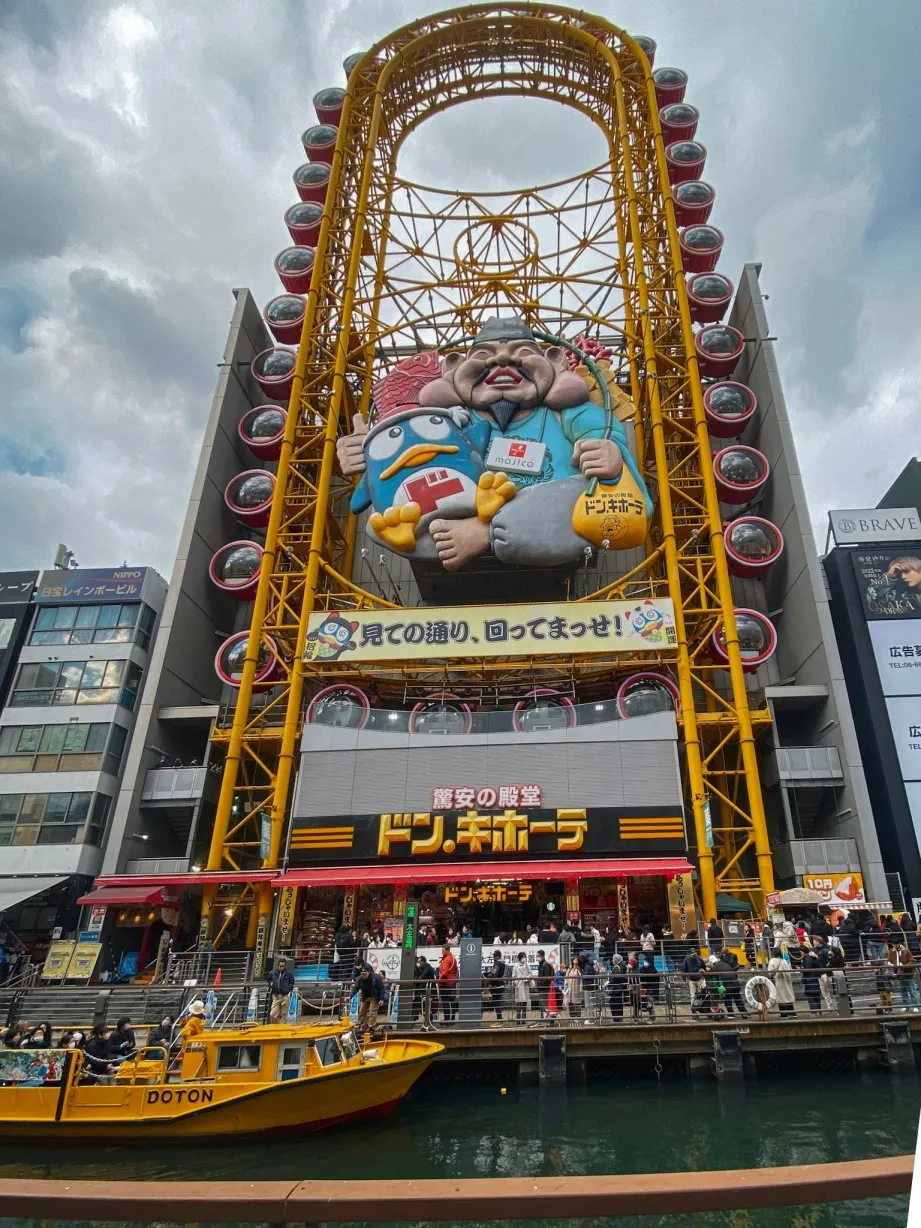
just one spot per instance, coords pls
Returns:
(401, 268)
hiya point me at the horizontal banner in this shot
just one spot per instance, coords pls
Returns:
(547, 629)
(427, 836)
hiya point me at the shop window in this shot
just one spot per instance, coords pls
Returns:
(239, 1057)
(91, 624)
(328, 1051)
(62, 748)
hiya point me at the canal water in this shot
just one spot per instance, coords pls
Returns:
(609, 1125)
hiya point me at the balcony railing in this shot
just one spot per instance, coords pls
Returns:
(158, 865)
(803, 765)
(174, 784)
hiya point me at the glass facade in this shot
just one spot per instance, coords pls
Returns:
(58, 683)
(94, 624)
(62, 748)
(53, 818)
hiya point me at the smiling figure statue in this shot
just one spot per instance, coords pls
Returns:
(487, 452)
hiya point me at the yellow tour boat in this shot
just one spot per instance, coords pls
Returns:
(253, 1080)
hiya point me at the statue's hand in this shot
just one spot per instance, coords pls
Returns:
(598, 458)
(349, 449)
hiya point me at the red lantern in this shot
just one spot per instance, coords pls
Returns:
(700, 248)
(294, 267)
(235, 569)
(303, 221)
(693, 200)
(709, 294)
(740, 473)
(729, 407)
(228, 663)
(284, 315)
(312, 181)
(328, 105)
(719, 348)
(262, 429)
(685, 161)
(273, 371)
(249, 496)
(670, 85)
(753, 545)
(320, 142)
(757, 640)
(679, 122)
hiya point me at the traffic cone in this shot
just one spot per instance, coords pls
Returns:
(217, 977)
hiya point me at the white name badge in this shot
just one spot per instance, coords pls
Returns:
(515, 455)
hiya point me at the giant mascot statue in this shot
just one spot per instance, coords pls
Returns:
(499, 450)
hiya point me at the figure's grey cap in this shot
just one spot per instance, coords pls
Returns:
(504, 328)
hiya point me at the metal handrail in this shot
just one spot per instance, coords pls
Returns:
(488, 1199)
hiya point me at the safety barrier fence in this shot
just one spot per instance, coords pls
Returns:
(492, 1200)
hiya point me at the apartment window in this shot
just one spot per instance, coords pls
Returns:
(62, 748)
(59, 683)
(94, 624)
(51, 818)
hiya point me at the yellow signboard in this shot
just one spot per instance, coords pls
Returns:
(83, 961)
(548, 629)
(57, 960)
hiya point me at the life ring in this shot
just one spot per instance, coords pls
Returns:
(754, 983)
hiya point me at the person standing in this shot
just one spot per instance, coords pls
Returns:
(814, 961)
(370, 992)
(447, 984)
(281, 986)
(573, 988)
(715, 936)
(494, 977)
(544, 982)
(779, 972)
(522, 981)
(423, 984)
(692, 967)
(649, 985)
(609, 945)
(617, 988)
(906, 971)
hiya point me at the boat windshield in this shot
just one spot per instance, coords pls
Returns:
(350, 1046)
(328, 1050)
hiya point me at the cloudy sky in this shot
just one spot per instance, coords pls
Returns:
(147, 149)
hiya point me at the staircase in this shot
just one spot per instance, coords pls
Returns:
(82, 1005)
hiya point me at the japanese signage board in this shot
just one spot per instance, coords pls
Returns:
(91, 584)
(897, 649)
(57, 960)
(83, 961)
(459, 797)
(488, 893)
(16, 587)
(547, 629)
(463, 836)
(905, 719)
(875, 524)
(889, 582)
(844, 889)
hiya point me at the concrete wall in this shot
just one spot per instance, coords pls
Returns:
(197, 616)
(793, 592)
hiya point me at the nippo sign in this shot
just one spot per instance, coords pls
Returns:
(450, 797)
(844, 889)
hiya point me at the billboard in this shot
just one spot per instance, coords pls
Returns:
(897, 649)
(889, 582)
(875, 524)
(16, 586)
(547, 629)
(91, 584)
(905, 719)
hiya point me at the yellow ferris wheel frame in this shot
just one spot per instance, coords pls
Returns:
(504, 49)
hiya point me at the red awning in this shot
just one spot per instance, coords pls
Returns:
(465, 872)
(107, 897)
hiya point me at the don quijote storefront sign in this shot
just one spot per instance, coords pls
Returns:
(471, 836)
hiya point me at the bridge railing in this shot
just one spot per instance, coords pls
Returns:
(488, 1200)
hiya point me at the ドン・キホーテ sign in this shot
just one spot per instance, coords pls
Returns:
(547, 629)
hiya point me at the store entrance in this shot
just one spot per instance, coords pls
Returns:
(499, 912)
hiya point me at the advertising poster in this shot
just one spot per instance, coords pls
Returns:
(83, 961)
(897, 649)
(905, 719)
(844, 889)
(57, 960)
(889, 582)
(548, 629)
